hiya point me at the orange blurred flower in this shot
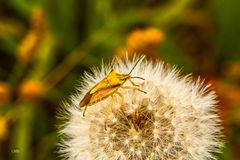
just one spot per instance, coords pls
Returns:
(229, 96)
(31, 89)
(144, 38)
(230, 93)
(144, 41)
(5, 92)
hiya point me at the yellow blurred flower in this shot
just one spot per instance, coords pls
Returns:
(31, 89)
(39, 20)
(5, 92)
(3, 128)
(32, 40)
(28, 46)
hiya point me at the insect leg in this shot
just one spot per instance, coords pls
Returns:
(121, 97)
(130, 87)
(108, 112)
(122, 106)
(85, 109)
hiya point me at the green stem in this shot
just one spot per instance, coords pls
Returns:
(22, 136)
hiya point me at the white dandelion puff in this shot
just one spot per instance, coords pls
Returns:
(176, 119)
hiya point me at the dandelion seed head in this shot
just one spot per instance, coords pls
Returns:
(176, 119)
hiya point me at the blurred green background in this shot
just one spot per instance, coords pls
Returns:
(45, 46)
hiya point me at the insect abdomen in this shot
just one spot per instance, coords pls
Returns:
(91, 99)
(86, 99)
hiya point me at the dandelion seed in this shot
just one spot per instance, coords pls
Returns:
(126, 141)
(138, 152)
(132, 149)
(169, 122)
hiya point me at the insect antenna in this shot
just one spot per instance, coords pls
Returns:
(134, 66)
(139, 78)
